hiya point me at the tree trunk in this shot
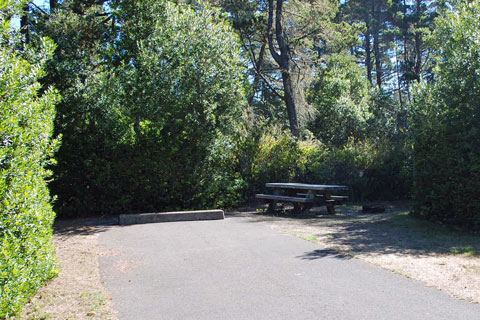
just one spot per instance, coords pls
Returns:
(378, 62)
(399, 81)
(283, 61)
(418, 45)
(406, 64)
(53, 5)
(368, 54)
(418, 56)
(258, 64)
(377, 20)
(290, 102)
(24, 27)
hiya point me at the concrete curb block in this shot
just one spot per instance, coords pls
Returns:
(126, 219)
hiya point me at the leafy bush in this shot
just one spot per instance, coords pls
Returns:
(344, 166)
(372, 171)
(221, 185)
(341, 97)
(153, 131)
(84, 161)
(446, 123)
(389, 173)
(26, 125)
(276, 159)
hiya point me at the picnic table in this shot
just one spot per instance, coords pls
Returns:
(304, 196)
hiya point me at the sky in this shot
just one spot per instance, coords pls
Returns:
(41, 3)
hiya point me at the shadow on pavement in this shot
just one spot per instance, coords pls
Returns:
(391, 232)
(85, 226)
(322, 253)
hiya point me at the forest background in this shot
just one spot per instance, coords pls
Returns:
(138, 106)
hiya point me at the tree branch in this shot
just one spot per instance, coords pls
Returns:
(315, 31)
(258, 65)
(280, 35)
(38, 8)
(271, 47)
(275, 92)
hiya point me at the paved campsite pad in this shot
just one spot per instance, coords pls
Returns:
(241, 269)
(445, 259)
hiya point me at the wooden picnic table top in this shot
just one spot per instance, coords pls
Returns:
(305, 186)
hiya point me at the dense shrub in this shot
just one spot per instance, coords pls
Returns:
(344, 166)
(447, 126)
(26, 125)
(277, 158)
(220, 183)
(340, 95)
(153, 132)
(372, 171)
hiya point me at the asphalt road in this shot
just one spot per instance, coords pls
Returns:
(240, 269)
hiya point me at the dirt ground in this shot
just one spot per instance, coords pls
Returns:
(77, 293)
(430, 253)
(441, 258)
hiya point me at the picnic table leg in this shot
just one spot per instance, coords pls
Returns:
(306, 208)
(302, 208)
(330, 209)
(272, 205)
(297, 207)
(330, 204)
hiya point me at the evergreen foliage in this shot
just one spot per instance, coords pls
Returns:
(341, 98)
(26, 126)
(153, 93)
(149, 118)
(447, 127)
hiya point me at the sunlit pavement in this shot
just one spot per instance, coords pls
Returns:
(241, 269)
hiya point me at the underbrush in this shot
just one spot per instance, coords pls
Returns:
(371, 170)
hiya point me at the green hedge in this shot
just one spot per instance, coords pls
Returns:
(446, 124)
(152, 132)
(26, 124)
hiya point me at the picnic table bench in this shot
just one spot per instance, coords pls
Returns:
(303, 196)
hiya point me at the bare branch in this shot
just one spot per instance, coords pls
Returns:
(311, 33)
(296, 14)
(258, 66)
(38, 8)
